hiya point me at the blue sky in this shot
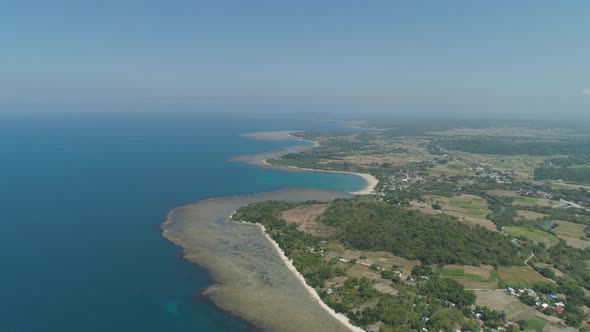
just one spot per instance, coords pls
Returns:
(470, 56)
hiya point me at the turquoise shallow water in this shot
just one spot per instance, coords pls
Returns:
(83, 195)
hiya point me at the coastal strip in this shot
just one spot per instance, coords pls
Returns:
(289, 263)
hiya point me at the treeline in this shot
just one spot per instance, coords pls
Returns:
(573, 174)
(433, 239)
(502, 146)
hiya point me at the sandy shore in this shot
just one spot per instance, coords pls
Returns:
(371, 181)
(289, 263)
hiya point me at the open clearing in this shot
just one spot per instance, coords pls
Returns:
(572, 233)
(306, 219)
(520, 275)
(535, 235)
(450, 169)
(497, 299)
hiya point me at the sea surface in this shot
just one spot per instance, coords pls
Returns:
(83, 194)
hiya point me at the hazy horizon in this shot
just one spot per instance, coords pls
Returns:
(456, 57)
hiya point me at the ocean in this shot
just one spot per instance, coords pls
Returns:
(83, 194)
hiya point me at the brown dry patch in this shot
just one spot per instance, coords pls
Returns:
(385, 287)
(474, 221)
(483, 271)
(306, 219)
(335, 281)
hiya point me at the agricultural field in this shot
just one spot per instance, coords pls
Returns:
(469, 209)
(503, 193)
(522, 165)
(572, 233)
(520, 276)
(497, 299)
(529, 215)
(472, 277)
(535, 235)
(526, 200)
(536, 324)
(468, 205)
(450, 169)
(386, 260)
(530, 201)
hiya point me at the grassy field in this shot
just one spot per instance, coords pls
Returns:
(472, 277)
(529, 215)
(469, 205)
(536, 324)
(572, 233)
(535, 235)
(525, 200)
(520, 276)
(469, 209)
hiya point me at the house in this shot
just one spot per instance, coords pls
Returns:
(560, 304)
(342, 260)
(544, 305)
(559, 309)
(552, 297)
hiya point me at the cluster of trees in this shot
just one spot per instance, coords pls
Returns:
(573, 174)
(515, 146)
(448, 290)
(407, 311)
(433, 239)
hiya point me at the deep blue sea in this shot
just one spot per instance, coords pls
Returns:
(83, 194)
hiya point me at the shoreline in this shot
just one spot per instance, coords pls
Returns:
(289, 263)
(371, 181)
(170, 232)
(251, 278)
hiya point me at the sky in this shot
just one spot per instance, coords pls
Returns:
(465, 56)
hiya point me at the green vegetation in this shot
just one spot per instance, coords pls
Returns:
(450, 192)
(573, 174)
(372, 225)
(536, 324)
(535, 235)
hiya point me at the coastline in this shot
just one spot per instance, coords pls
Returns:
(289, 263)
(201, 227)
(253, 280)
(371, 181)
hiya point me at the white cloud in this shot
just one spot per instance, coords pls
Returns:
(586, 92)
